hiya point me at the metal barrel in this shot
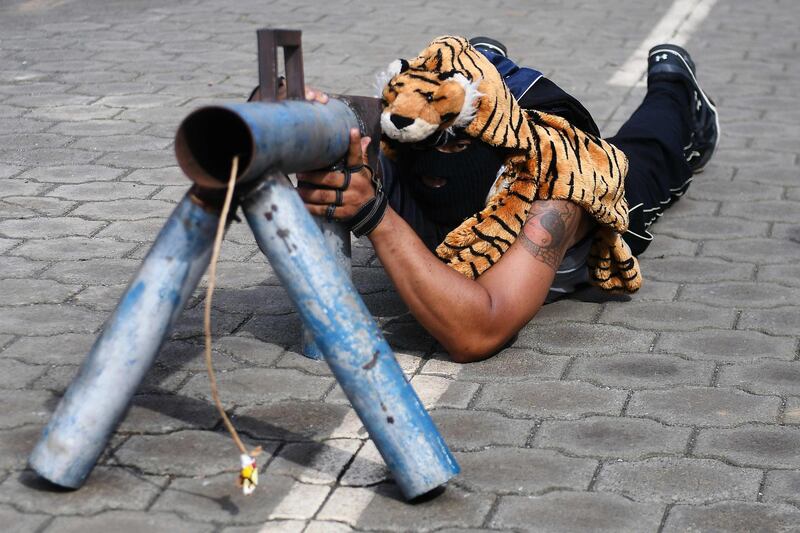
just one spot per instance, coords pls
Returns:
(287, 136)
(99, 395)
(278, 136)
(358, 355)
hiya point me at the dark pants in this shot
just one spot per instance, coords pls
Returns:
(653, 139)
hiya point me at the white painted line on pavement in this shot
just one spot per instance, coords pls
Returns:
(676, 26)
(348, 428)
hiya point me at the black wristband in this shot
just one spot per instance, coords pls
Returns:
(371, 213)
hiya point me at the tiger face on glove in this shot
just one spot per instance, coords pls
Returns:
(418, 102)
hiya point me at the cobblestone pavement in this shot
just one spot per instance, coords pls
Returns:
(677, 409)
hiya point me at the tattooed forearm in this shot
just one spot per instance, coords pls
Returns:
(548, 231)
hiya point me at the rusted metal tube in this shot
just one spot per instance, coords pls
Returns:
(98, 396)
(286, 136)
(358, 355)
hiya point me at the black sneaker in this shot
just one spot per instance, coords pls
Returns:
(673, 63)
(489, 44)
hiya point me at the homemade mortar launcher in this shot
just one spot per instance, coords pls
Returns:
(271, 138)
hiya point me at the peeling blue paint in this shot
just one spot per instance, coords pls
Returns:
(355, 350)
(109, 376)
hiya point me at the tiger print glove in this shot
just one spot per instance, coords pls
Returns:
(370, 213)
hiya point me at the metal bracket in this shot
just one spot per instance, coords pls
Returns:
(268, 42)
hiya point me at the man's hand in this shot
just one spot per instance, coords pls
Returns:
(324, 188)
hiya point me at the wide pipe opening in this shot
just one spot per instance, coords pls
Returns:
(206, 142)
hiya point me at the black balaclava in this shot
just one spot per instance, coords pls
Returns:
(469, 175)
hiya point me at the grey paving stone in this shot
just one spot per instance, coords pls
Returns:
(21, 140)
(107, 488)
(573, 512)
(16, 522)
(768, 211)
(766, 251)
(567, 309)
(508, 471)
(20, 187)
(666, 246)
(47, 319)
(612, 437)
(679, 480)
(101, 298)
(38, 206)
(156, 414)
(782, 486)
(16, 375)
(260, 300)
(367, 468)
(641, 371)
(48, 227)
(752, 445)
(696, 269)
(121, 143)
(102, 191)
(124, 209)
(96, 127)
(158, 176)
(138, 159)
(778, 321)
(95, 271)
(550, 399)
(134, 230)
(284, 330)
(711, 227)
(249, 350)
(732, 517)
(127, 522)
(763, 377)
(382, 507)
(737, 191)
(721, 345)
(741, 294)
(473, 430)
(247, 387)
(217, 498)
(183, 453)
(436, 391)
(67, 348)
(660, 316)
(16, 445)
(792, 413)
(7, 244)
(73, 112)
(785, 274)
(35, 291)
(576, 338)
(511, 364)
(787, 231)
(704, 406)
(315, 463)
(156, 381)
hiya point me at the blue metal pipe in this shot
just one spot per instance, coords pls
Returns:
(286, 136)
(355, 350)
(98, 396)
(337, 237)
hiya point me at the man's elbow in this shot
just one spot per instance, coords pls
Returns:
(475, 348)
